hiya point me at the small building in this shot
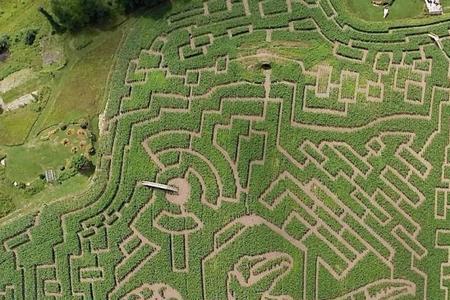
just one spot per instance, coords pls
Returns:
(434, 7)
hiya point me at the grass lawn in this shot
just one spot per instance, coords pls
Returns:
(25, 163)
(77, 88)
(23, 203)
(49, 151)
(15, 126)
(401, 9)
(73, 185)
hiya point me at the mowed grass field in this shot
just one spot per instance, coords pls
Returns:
(77, 78)
(25, 163)
(15, 126)
(15, 18)
(400, 9)
(50, 150)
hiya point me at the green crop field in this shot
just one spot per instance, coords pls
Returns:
(310, 149)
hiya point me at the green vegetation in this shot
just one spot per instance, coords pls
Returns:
(6, 204)
(50, 150)
(309, 149)
(17, 130)
(400, 10)
(67, 73)
(74, 15)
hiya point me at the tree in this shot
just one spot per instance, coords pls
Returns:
(30, 36)
(76, 14)
(81, 163)
(130, 5)
(4, 43)
(55, 25)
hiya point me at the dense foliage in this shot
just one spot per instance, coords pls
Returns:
(6, 204)
(76, 14)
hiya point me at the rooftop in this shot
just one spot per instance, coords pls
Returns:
(434, 6)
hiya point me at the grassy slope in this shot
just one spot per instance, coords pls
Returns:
(79, 93)
(401, 9)
(24, 204)
(51, 150)
(39, 157)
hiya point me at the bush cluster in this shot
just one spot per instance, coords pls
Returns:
(4, 43)
(74, 15)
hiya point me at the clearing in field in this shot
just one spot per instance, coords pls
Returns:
(310, 152)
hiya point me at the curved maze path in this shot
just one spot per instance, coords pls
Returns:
(325, 176)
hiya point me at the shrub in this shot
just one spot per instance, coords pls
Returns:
(4, 43)
(30, 36)
(6, 204)
(92, 150)
(76, 14)
(66, 174)
(62, 126)
(81, 163)
(84, 123)
(21, 185)
(35, 187)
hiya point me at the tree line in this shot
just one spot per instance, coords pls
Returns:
(74, 15)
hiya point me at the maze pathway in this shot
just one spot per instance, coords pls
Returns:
(310, 152)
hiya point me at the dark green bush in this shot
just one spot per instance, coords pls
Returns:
(80, 162)
(30, 36)
(4, 43)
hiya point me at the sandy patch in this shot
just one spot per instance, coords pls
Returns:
(184, 191)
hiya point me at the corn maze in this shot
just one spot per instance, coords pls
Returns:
(310, 150)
